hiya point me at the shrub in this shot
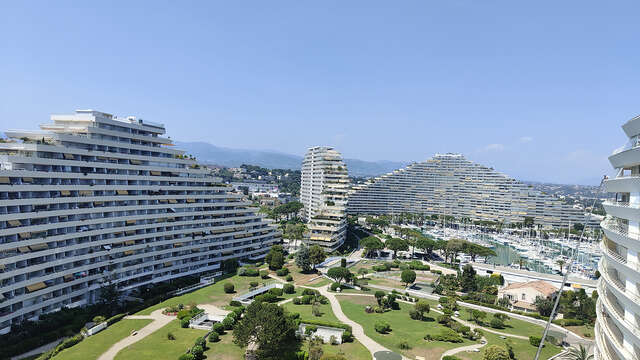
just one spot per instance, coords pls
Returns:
(183, 314)
(307, 299)
(310, 292)
(496, 323)
(229, 288)
(450, 357)
(297, 301)
(310, 329)
(275, 291)
(234, 303)
(283, 272)
(184, 323)
(98, 319)
(568, 322)
(197, 352)
(288, 289)
(382, 327)
(446, 335)
(347, 336)
(114, 319)
(264, 274)
(228, 323)
(201, 342)
(378, 309)
(535, 340)
(335, 286)
(253, 284)
(404, 345)
(186, 357)
(170, 336)
(415, 315)
(495, 352)
(266, 297)
(219, 328)
(214, 337)
(289, 278)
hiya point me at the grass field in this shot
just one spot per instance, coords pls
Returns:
(157, 346)
(403, 328)
(95, 345)
(521, 348)
(224, 349)
(305, 312)
(512, 326)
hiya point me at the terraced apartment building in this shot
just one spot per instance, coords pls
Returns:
(94, 199)
(449, 184)
(618, 325)
(323, 192)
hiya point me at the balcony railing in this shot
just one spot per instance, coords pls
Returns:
(617, 313)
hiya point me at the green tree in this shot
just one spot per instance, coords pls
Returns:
(303, 258)
(495, 352)
(267, 325)
(109, 297)
(426, 244)
(478, 316)
(422, 307)
(339, 274)
(544, 305)
(295, 231)
(395, 245)
(370, 244)
(316, 255)
(468, 279)
(452, 248)
(363, 272)
(408, 276)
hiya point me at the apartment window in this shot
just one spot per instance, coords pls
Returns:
(524, 297)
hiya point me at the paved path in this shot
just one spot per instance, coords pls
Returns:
(358, 331)
(465, 348)
(159, 320)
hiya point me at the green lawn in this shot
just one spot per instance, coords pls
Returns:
(95, 345)
(319, 283)
(352, 351)
(522, 349)
(157, 346)
(224, 349)
(305, 312)
(512, 326)
(403, 328)
(212, 294)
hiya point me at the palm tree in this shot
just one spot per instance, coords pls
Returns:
(578, 353)
(561, 263)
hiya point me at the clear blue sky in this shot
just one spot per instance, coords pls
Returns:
(537, 89)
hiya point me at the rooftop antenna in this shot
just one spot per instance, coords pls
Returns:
(566, 274)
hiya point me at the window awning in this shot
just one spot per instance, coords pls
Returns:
(191, 200)
(5, 180)
(68, 277)
(65, 192)
(128, 252)
(27, 180)
(122, 192)
(135, 162)
(39, 246)
(96, 203)
(167, 264)
(85, 193)
(130, 232)
(14, 223)
(173, 201)
(69, 157)
(36, 287)
(24, 249)
(162, 201)
(130, 242)
(25, 235)
(131, 222)
(156, 173)
(177, 244)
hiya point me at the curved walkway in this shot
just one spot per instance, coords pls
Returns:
(358, 331)
(159, 320)
(465, 348)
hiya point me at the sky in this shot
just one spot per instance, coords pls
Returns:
(537, 90)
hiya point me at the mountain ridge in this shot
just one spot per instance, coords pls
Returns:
(222, 156)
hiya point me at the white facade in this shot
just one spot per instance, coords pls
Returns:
(618, 326)
(93, 198)
(449, 184)
(323, 192)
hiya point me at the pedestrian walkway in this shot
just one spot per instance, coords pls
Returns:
(357, 330)
(159, 321)
(472, 347)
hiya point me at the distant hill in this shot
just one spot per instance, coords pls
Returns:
(211, 154)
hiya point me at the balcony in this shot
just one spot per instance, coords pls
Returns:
(622, 209)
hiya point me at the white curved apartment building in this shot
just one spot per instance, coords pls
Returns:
(449, 184)
(323, 192)
(618, 325)
(93, 198)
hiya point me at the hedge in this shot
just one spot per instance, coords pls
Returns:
(114, 319)
(568, 322)
(328, 324)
